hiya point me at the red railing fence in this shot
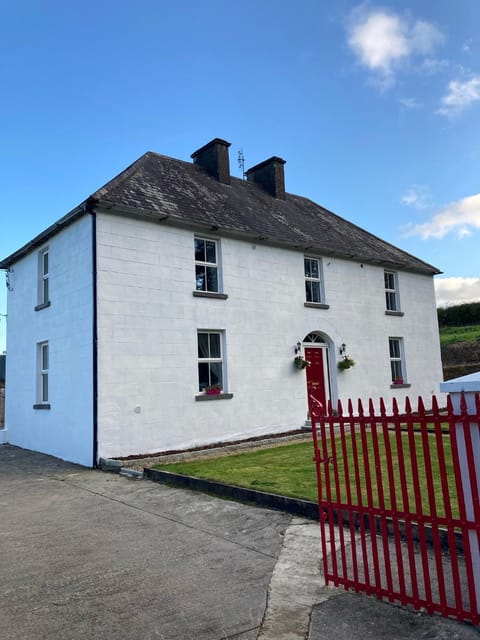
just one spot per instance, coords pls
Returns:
(399, 504)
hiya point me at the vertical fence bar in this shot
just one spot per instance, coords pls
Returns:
(381, 500)
(447, 505)
(338, 498)
(393, 503)
(415, 598)
(316, 415)
(326, 458)
(359, 510)
(418, 505)
(348, 496)
(432, 517)
(370, 501)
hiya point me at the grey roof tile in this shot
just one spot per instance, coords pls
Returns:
(183, 191)
(159, 187)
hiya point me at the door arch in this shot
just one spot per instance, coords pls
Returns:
(316, 347)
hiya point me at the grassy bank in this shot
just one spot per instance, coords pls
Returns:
(451, 335)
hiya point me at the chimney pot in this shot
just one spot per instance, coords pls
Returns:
(213, 157)
(270, 176)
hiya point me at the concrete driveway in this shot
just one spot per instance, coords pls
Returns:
(85, 554)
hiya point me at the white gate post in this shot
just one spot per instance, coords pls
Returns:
(469, 385)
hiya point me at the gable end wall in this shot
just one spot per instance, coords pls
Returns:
(65, 430)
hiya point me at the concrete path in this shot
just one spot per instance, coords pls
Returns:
(300, 606)
(85, 554)
(296, 584)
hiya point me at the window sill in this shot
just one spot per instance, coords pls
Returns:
(210, 294)
(394, 313)
(316, 305)
(400, 386)
(214, 396)
(42, 406)
(44, 305)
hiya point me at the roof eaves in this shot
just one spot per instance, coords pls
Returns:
(232, 232)
(45, 235)
(428, 267)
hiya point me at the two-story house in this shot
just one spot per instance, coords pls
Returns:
(176, 277)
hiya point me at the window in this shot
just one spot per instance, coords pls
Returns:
(206, 265)
(42, 372)
(391, 291)
(313, 280)
(43, 279)
(210, 361)
(397, 361)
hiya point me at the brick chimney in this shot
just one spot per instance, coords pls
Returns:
(270, 176)
(213, 157)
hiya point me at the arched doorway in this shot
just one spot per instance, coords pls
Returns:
(317, 353)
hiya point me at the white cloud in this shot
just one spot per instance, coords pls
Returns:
(425, 37)
(459, 217)
(432, 66)
(382, 40)
(410, 103)
(460, 95)
(456, 290)
(418, 196)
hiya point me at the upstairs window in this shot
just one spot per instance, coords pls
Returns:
(43, 278)
(313, 280)
(210, 360)
(397, 360)
(391, 291)
(206, 265)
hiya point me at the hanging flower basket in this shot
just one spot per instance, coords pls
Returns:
(346, 363)
(300, 362)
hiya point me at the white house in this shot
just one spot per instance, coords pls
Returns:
(175, 276)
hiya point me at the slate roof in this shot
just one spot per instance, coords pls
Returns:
(182, 193)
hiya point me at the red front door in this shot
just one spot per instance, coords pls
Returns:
(317, 376)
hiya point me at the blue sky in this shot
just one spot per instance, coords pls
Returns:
(374, 106)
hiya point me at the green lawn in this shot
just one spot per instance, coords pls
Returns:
(289, 470)
(449, 335)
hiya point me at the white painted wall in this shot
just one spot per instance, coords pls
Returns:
(65, 430)
(148, 321)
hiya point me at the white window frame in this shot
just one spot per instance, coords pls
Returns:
(43, 277)
(392, 299)
(43, 367)
(314, 280)
(205, 264)
(397, 360)
(212, 359)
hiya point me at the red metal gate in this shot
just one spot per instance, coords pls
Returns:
(399, 504)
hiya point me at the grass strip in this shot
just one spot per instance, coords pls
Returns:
(287, 470)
